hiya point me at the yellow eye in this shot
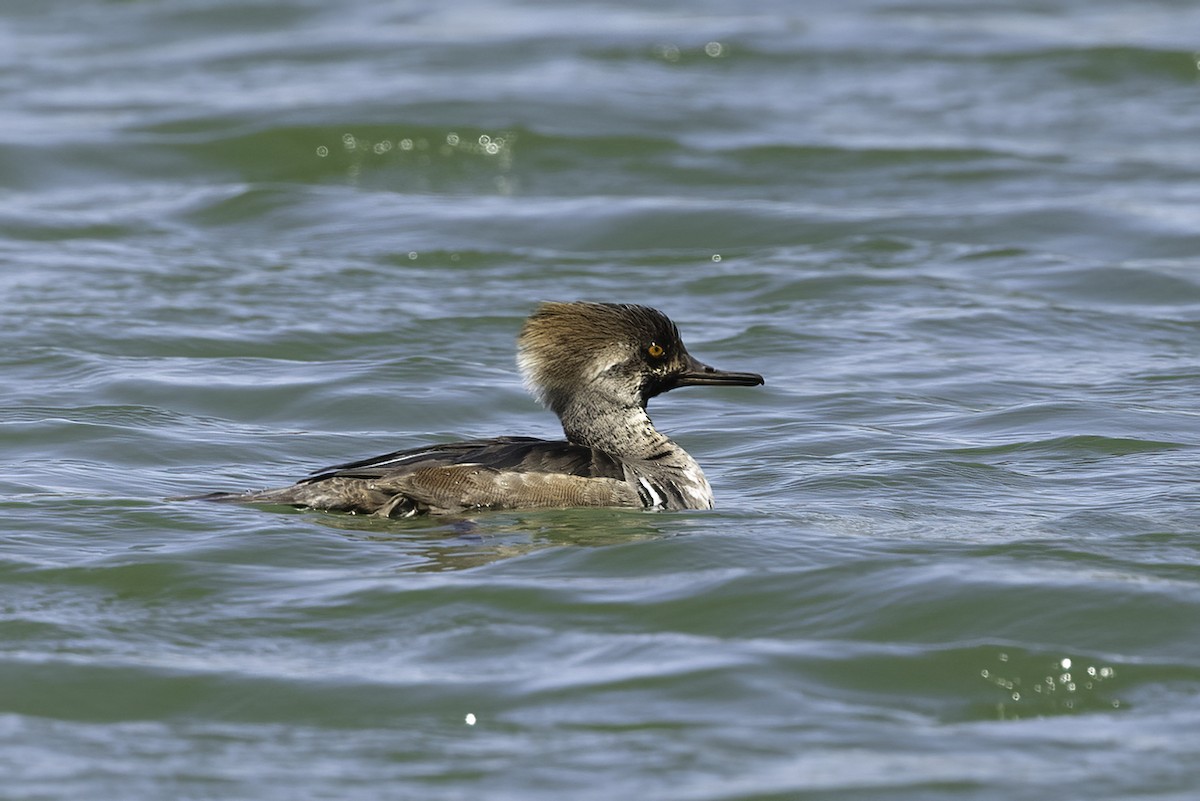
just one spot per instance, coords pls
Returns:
(655, 350)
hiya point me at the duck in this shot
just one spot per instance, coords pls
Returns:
(596, 366)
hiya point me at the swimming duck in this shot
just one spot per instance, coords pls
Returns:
(595, 365)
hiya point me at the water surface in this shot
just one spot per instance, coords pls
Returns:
(955, 550)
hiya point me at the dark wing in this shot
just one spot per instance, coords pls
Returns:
(502, 454)
(502, 473)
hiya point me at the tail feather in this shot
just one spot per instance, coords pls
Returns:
(284, 496)
(334, 495)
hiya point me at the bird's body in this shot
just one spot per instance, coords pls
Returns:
(596, 365)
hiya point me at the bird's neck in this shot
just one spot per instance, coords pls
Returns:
(624, 431)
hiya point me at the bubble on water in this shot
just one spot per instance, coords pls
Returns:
(714, 49)
(470, 719)
(412, 255)
(452, 139)
(322, 151)
(667, 52)
(716, 257)
(406, 144)
(1066, 687)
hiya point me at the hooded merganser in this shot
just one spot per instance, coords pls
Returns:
(595, 365)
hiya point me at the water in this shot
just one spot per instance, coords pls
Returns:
(955, 553)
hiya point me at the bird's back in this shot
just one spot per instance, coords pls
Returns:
(499, 473)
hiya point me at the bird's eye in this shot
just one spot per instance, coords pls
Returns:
(655, 351)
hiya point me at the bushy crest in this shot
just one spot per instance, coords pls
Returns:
(565, 346)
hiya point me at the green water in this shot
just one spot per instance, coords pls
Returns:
(956, 550)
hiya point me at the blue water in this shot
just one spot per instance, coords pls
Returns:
(955, 551)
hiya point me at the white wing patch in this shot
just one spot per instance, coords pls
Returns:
(657, 500)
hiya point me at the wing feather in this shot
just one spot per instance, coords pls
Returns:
(514, 454)
(501, 473)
